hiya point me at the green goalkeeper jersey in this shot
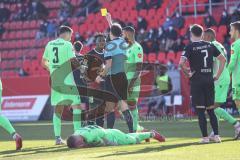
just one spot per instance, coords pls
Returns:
(234, 64)
(92, 134)
(225, 76)
(58, 52)
(134, 56)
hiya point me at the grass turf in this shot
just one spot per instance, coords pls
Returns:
(182, 137)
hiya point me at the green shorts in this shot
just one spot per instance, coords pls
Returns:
(221, 92)
(64, 95)
(236, 92)
(133, 96)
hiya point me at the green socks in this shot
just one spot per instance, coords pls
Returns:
(141, 136)
(76, 119)
(135, 119)
(225, 115)
(5, 123)
(57, 125)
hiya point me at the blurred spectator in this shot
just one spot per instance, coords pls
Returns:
(154, 46)
(171, 36)
(145, 47)
(4, 13)
(178, 45)
(162, 45)
(37, 10)
(167, 23)
(141, 4)
(142, 23)
(66, 9)
(2, 30)
(236, 14)
(225, 18)
(63, 21)
(160, 34)
(88, 7)
(22, 73)
(151, 35)
(209, 21)
(21, 13)
(51, 28)
(142, 35)
(42, 30)
(154, 4)
(178, 21)
(170, 65)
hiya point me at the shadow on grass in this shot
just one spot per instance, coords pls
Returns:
(33, 150)
(155, 149)
(55, 149)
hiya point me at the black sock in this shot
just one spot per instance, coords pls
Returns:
(202, 122)
(213, 121)
(100, 121)
(110, 119)
(129, 120)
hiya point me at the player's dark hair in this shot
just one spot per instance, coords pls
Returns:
(211, 31)
(236, 25)
(71, 141)
(129, 29)
(116, 30)
(196, 30)
(78, 46)
(64, 29)
(99, 35)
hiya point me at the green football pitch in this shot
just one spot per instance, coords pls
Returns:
(181, 144)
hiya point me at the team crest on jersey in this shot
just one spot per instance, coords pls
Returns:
(139, 55)
(232, 51)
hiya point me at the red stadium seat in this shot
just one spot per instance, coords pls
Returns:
(162, 57)
(152, 57)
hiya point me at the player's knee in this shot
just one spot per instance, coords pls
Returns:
(59, 109)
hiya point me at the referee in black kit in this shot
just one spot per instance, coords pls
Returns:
(200, 56)
(116, 80)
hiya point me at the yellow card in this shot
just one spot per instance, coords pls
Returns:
(104, 11)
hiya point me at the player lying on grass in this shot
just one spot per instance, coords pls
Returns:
(221, 85)
(93, 136)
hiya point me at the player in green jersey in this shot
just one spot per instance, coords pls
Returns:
(234, 64)
(56, 59)
(133, 71)
(5, 123)
(93, 136)
(221, 85)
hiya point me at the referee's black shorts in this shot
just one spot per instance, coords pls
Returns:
(202, 92)
(117, 84)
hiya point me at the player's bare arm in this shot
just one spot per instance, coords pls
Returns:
(45, 64)
(185, 69)
(222, 61)
(109, 19)
(136, 76)
(105, 71)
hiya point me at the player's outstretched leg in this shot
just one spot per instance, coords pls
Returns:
(146, 135)
(57, 124)
(221, 113)
(5, 123)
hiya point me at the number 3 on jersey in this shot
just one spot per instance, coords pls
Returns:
(55, 50)
(205, 57)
